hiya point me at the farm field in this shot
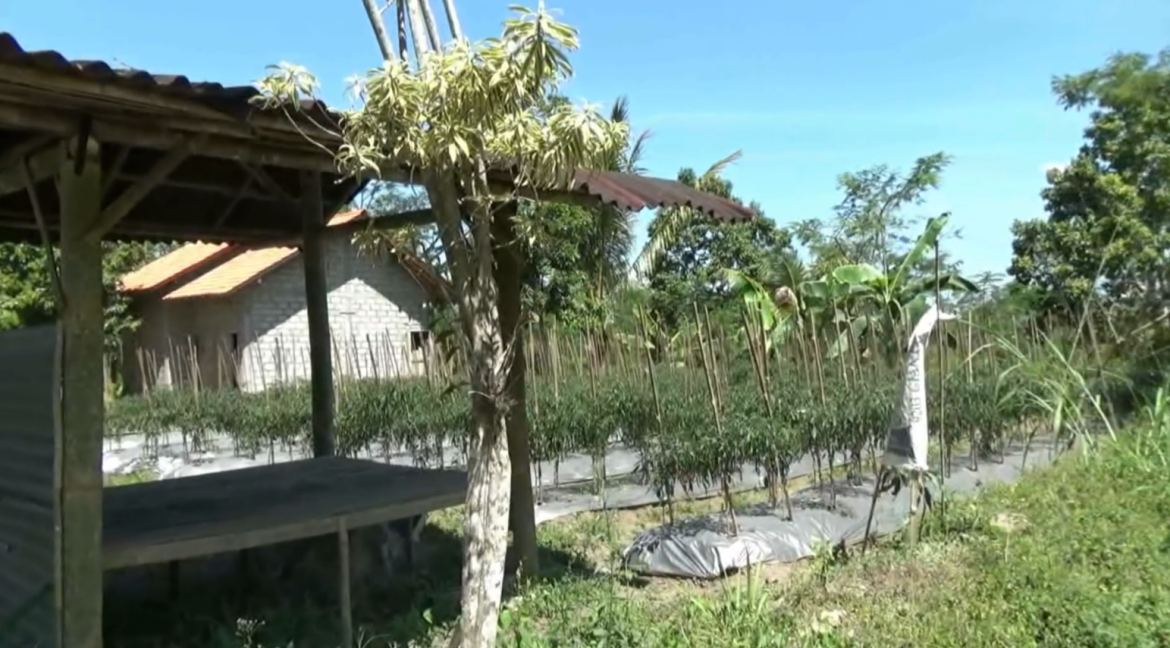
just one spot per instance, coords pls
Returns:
(724, 424)
(533, 389)
(995, 399)
(1086, 537)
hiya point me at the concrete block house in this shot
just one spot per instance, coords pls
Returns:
(221, 315)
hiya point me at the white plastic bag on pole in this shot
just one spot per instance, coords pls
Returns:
(906, 443)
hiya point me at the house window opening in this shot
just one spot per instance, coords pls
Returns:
(420, 340)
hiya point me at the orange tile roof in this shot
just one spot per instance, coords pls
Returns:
(227, 278)
(235, 273)
(169, 266)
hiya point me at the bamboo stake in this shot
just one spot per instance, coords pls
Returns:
(757, 350)
(556, 378)
(713, 390)
(599, 445)
(530, 351)
(818, 370)
(940, 329)
(668, 495)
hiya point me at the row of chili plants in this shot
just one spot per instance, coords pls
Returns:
(664, 412)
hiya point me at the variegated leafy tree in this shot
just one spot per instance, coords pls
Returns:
(465, 110)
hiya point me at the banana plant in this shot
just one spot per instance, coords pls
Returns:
(776, 311)
(899, 297)
(786, 301)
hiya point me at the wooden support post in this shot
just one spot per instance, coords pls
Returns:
(509, 268)
(317, 305)
(79, 597)
(343, 580)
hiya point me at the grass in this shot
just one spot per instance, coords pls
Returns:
(127, 479)
(1076, 554)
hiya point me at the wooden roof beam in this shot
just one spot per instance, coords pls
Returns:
(262, 178)
(293, 154)
(17, 220)
(133, 195)
(239, 195)
(41, 156)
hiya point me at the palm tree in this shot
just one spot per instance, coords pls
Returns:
(673, 220)
(614, 233)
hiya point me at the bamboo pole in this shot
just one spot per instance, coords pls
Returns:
(940, 330)
(708, 372)
(669, 494)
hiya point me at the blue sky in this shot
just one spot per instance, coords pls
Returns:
(806, 89)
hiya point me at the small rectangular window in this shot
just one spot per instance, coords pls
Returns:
(419, 340)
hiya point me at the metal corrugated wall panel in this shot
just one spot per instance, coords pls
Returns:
(27, 543)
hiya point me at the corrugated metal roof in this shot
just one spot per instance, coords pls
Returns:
(635, 193)
(172, 265)
(235, 99)
(235, 274)
(626, 191)
(27, 496)
(64, 86)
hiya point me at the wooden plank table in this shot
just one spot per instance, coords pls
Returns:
(177, 519)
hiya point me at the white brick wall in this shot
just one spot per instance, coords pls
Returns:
(374, 305)
(160, 353)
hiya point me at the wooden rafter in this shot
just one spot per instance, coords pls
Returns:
(241, 193)
(111, 174)
(40, 163)
(294, 153)
(265, 180)
(139, 190)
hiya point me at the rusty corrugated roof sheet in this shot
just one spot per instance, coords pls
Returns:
(634, 193)
(236, 273)
(171, 266)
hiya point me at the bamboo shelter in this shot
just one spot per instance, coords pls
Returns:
(90, 153)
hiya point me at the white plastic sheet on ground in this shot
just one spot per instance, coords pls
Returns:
(703, 547)
(570, 491)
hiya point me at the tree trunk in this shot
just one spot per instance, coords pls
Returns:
(509, 268)
(485, 527)
(485, 522)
